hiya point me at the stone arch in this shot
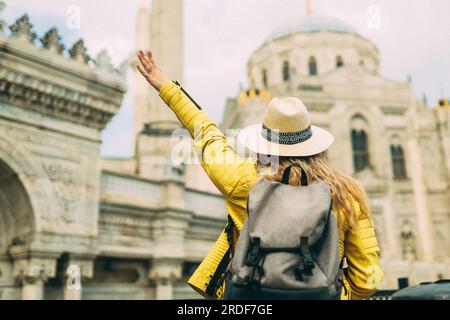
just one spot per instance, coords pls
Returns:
(339, 61)
(359, 121)
(286, 71)
(16, 213)
(312, 66)
(372, 120)
(398, 156)
(23, 179)
(396, 140)
(360, 141)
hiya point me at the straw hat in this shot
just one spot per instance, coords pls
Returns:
(286, 131)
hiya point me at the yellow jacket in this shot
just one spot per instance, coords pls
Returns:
(235, 177)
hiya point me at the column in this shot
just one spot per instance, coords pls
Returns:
(141, 88)
(33, 287)
(391, 231)
(169, 230)
(32, 271)
(164, 273)
(167, 46)
(423, 216)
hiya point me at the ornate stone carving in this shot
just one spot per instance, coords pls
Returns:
(35, 267)
(30, 88)
(66, 190)
(65, 240)
(12, 155)
(30, 172)
(166, 269)
(103, 61)
(52, 40)
(52, 100)
(394, 110)
(2, 23)
(10, 294)
(78, 52)
(123, 69)
(23, 28)
(84, 264)
(408, 241)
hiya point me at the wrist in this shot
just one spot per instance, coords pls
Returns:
(163, 84)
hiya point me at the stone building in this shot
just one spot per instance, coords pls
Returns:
(393, 143)
(76, 226)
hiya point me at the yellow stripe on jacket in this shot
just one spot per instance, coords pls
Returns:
(234, 177)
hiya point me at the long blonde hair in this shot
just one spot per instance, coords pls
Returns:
(344, 188)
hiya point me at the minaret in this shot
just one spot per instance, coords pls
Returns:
(161, 31)
(142, 90)
(309, 8)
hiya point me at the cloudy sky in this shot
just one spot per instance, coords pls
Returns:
(414, 39)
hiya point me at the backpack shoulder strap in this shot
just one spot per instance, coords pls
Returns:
(287, 173)
(219, 276)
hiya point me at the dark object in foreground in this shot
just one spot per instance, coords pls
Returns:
(439, 290)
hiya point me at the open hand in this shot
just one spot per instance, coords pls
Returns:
(150, 70)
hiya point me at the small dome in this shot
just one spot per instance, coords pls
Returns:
(313, 24)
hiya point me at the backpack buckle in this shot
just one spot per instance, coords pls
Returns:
(306, 261)
(253, 254)
(309, 264)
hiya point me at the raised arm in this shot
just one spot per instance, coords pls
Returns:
(230, 174)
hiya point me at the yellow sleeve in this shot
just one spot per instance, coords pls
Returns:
(364, 273)
(230, 174)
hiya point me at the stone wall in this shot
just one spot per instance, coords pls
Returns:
(52, 111)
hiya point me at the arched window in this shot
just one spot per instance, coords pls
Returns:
(312, 66)
(286, 74)
(339, 62)
(360, 149)
(264, 78)
(398, 161)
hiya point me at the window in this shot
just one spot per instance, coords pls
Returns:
(398, 161)
(360, 150)
(312, 66)
(286, 75)
(339, 62)
(264, 78)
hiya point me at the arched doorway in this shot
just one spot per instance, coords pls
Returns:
(16, 213)
(16, 224)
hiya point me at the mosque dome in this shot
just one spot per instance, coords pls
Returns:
(312, 46)
(313, 24)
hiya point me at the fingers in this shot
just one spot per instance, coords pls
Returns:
(147, 58)
(142, 58)
(142, 71)
(150, 59)
(145, 63)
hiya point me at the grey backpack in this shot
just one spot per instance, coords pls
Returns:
(288, 247)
